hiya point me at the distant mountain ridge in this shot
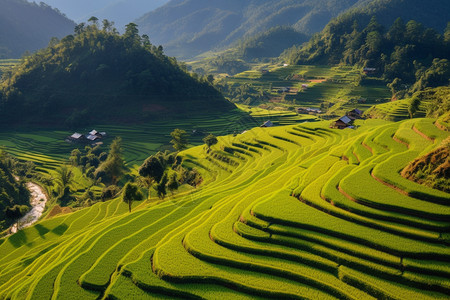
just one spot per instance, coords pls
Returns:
(28, 26)
(189, 27)
(121, 12)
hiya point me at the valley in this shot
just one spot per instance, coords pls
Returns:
(225, 150)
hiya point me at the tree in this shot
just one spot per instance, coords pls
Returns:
(173, 183)
(147, 182)
(64, 177)
(179, 139)
(131, 192)
(210, 140)
(93, 20)
(413, 106)
(113, 167)
(75, 157)
(161, 187)
(132, 34)
(152, 168)
(16, 212)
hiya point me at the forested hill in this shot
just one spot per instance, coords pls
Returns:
(189, 27)
(99, 76)
(431, 13)
(409, 56)
(26, 26)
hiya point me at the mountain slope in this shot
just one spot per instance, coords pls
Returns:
(28, 26)
(121, 12)
(100, 76)
(433, 13)
(189, 27)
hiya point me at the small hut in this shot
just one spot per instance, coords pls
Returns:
(267, 124)
(342, 123)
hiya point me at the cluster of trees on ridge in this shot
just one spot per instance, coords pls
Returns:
(98, 75)
(408, 56)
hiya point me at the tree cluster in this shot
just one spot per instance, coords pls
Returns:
(14, 196)
(408, 56)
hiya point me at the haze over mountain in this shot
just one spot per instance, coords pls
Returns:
(121, 12)
(189, 27)
(28, 26)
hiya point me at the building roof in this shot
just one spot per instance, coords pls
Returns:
(92, 137)
(76, 135)
(359, 112)
(345, 119)
(267, 124)
(93, 132)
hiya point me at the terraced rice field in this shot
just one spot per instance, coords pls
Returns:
(396, 110)
(299, 211)
(48, 149)
(333, 85)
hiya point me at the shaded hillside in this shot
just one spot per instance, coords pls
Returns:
(28, 26)
(270, 43)
(121, 12)
(187, 28)
(100, 76)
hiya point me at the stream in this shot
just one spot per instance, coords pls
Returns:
(38, 200)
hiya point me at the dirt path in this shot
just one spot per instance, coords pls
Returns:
(37, 201)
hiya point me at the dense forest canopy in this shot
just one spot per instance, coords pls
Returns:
(26, 26)
(98, 75)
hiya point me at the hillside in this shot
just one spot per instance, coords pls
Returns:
(433, 13)
(98, 76)
(121, 12)
(407, 55)
(187, 28)
(28, 26)
(300, 211)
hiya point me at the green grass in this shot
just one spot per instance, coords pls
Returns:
(269, 219)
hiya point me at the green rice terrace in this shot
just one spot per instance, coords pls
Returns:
(333, 89)
(290, 212)
(48, 148)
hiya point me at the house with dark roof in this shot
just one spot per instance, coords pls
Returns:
(342, 123)
(355, 114)
(267, 124)
(308, 111)
(369, 70)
